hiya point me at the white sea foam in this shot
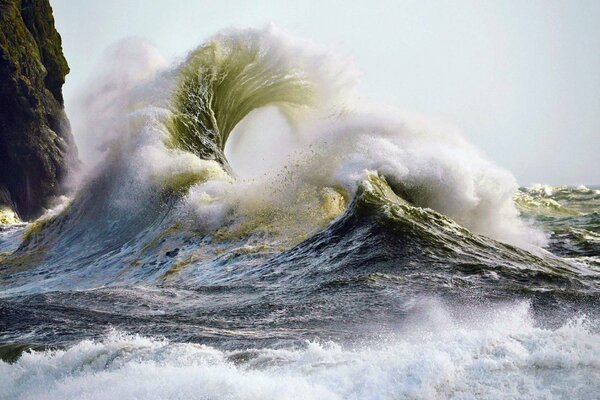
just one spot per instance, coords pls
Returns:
(435, 165)
(334, 144)
(499, 354)
(101, 113)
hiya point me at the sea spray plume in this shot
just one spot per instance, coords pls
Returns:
(240, 71)
(237, 72)
(330, 276)
(220, 84)
(121, 127)
(428, 164)
(123, 212)
(102, 108)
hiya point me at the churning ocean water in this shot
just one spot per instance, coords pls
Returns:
(366, 254)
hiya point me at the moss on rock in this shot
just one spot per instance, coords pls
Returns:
(36, 145)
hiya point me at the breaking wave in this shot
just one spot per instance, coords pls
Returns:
(507, 357)
(259, 231)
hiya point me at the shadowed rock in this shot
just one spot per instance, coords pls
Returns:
(36, 145)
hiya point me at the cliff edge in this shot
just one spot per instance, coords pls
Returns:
(36, 145)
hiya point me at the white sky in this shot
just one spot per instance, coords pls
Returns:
(521, 78)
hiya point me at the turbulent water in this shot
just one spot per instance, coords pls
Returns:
(250, 228)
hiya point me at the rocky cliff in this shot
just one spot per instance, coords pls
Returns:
(36, 145)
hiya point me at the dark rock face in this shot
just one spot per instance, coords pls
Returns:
(36, 145)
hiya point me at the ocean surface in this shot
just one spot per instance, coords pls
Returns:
(248, 227)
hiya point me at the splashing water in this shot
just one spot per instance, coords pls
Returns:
(372, 255)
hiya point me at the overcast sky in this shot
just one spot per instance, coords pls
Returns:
(520, 78)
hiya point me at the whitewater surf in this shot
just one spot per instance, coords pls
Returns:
(360, 252)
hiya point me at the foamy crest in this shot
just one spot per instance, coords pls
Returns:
(330, 144)
(501, 355)
(430, 167)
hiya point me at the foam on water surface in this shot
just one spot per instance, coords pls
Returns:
(300, 276)
(499, 354)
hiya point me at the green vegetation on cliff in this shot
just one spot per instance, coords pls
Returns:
(36, 146)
